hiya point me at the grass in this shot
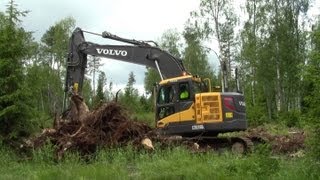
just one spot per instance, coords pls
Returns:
(146, 118)
(171, 163)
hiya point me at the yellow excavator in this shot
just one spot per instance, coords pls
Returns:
(198, 112)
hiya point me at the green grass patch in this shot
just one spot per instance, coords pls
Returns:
(147, 117)
(170, 163)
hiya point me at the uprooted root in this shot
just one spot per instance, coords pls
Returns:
(84, 131)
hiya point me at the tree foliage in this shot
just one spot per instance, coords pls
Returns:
(93, 67)
(273, 50)
(100, 96)
(195, 54)
(55, 43)
(217, 18)
(130, 97)
(46, 69)
(15, 108)
(311, 75)
(312, 91)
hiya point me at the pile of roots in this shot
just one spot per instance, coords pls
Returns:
(81, 130)
(291, 142)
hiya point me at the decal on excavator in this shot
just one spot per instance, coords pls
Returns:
(112, 52)
(229, 115)
(242, 103)
(197, 127)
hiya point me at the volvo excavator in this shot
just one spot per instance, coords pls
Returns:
(200, 113)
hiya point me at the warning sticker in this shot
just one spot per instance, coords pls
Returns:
(229, 115)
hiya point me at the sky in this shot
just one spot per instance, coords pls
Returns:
(132, 19)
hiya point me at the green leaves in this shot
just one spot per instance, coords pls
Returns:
(15, 109)
(55, 42)
(130, 98)
(311, 75)
(273, 49)
(100, 93)
(195, 57)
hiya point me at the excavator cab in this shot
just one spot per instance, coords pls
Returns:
(175, 97)
(200, 111)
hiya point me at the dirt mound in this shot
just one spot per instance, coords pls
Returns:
(280, 143)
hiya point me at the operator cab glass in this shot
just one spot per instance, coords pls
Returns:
(166, 94)
(165, 101)
(184, 91)
(199, 87)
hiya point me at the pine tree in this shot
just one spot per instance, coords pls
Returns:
(100, 93)
(130, 98)
(15, 110)
(93, 66)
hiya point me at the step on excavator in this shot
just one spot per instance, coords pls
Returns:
(185, 105)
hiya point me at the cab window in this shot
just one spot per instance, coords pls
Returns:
(184, 92)
(199, 87)
(166, 94)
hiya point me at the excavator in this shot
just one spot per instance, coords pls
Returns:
(200, 112)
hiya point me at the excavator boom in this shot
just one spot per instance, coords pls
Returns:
(138, 53)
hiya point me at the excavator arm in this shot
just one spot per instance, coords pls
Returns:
(138, 52)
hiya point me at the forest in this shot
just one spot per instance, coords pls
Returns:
(273, 44)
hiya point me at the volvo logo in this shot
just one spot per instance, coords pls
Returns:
(242, 103)
(112, 52)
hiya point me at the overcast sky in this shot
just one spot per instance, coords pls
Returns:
(133, 19)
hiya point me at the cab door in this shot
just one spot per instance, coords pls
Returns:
(166, 106)
(185, 101)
